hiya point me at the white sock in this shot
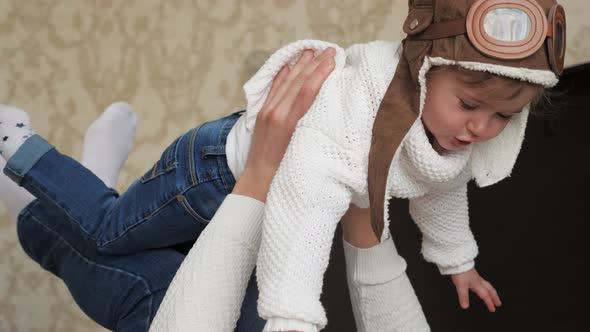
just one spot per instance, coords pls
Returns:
(15, 128)
(108, 141)
(98, 138)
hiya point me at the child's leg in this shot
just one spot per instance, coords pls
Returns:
(46, 236)
(14, 197)
(154, 212)
(110, 136)
(121, 293)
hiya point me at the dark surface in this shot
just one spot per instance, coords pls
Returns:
(532, 230)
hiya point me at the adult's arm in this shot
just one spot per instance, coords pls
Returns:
(208, 289)
(381, 294)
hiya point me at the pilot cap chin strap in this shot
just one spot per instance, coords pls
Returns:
(396, 115)
(394, 119)
(398, 111)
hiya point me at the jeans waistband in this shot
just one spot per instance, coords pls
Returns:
(207, 157)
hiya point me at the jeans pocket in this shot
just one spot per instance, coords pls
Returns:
(189, 209)
(167, 162)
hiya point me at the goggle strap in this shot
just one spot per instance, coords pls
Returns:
(449, 29)
(441, 30)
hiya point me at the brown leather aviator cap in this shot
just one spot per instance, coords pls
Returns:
(519, 39)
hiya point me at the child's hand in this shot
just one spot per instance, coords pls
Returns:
(472, 280)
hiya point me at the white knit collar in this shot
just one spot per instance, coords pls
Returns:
(428, 163)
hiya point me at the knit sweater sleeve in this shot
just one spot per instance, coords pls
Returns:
(443, 219)
(208, 289)
(308, 196)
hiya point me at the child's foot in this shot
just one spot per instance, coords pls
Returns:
(15, 128)
(97, 140)
(108, 141)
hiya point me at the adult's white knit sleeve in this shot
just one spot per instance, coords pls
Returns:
(308, 196)
(443, 219)
(208, 289)
(382, 296)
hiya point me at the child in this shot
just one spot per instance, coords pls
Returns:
(369, 135)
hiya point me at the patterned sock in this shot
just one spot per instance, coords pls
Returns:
(15, 128)
(108, 141)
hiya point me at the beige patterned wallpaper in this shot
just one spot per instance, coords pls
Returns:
(178, 62)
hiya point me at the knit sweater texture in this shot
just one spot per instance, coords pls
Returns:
(209, 287)
(325, 169)
(382, 296)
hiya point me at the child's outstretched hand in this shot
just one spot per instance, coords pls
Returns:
(472, 280)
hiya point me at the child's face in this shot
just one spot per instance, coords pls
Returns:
(457, 115)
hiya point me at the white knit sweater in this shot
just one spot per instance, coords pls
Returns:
(325, 169)
(207, 291)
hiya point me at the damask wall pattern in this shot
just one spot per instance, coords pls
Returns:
(178, 63)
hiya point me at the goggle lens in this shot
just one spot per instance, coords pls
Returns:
(507, 24)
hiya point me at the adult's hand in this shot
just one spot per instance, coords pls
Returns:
(291, 95)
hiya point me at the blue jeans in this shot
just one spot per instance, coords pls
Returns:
(114, 252)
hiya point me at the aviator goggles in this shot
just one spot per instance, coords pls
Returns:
(500, 29)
